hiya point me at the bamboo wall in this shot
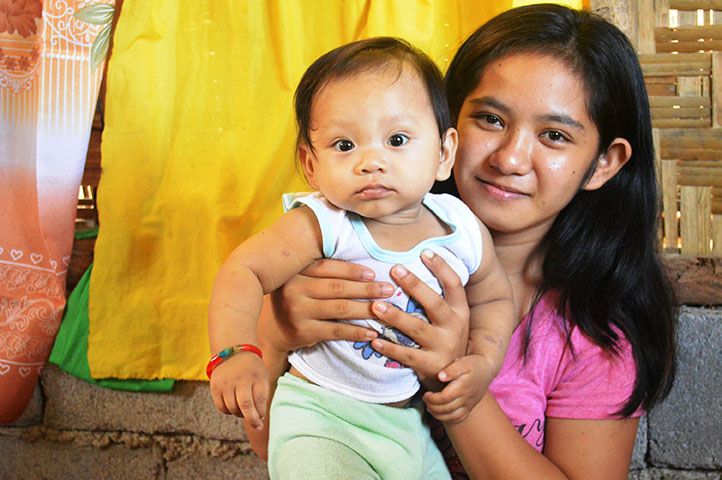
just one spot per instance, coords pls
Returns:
(680, 45)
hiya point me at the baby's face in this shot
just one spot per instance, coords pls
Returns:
(377, 145)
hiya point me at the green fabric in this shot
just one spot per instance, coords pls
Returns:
(70, 351)
(320, 434)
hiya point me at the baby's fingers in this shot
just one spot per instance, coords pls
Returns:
(260, 397)
(248, 408)
(456, 369)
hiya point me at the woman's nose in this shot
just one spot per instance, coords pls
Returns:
(512, 155)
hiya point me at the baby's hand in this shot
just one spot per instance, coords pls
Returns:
(239, 386)
(468, 378)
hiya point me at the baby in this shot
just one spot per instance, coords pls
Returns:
(374, 135)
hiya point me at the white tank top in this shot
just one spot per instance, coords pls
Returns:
(354, 368)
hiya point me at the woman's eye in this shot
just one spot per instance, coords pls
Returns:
(343, 145)
(555, 136)
(398, 140)
(489, 118)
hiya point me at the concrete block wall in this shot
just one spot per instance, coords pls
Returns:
(76, 430)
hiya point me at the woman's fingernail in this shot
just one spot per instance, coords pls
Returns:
(370, 335)
(367, 275)
(381, 306)
(377, 345)
(387, 289)
(400, 271)
(443, 376)
(428, 253)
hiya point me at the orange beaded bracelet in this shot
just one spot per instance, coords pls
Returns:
(227, 352)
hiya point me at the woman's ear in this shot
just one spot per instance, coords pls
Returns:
(307, 159)
(449, 142)
(609, 163)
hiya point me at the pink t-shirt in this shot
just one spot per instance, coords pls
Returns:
(555, 381)
(582, 382)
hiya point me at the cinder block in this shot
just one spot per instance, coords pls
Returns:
(684, 431)
(666, 474)
(73, 404)
(22, 460)
(195, 466)
(640, 445)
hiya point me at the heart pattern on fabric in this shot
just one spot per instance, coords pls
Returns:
(66, 260)
(36, 258)
(24, 371)
(53, 264)
(4, 368)
(16, 254)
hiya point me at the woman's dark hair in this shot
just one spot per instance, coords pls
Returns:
(363, 56)
(601, 253)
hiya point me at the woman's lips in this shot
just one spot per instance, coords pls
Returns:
(500, 191)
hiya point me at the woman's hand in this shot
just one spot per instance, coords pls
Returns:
(444, 339)
(326, 290)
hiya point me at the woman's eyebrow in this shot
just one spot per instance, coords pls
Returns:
(487, 101)
(563, 119)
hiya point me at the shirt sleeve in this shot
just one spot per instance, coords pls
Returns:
(592, 383)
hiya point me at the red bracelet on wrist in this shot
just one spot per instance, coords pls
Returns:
(227, 352)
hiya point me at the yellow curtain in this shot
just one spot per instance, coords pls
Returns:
(198, 148)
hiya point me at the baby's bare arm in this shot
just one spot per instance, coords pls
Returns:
(240, 384)
(491, 325)
(491, 303)
(259, 265)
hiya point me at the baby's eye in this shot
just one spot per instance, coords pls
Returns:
(343, 145)
(397, 140)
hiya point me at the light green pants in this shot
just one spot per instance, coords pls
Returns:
(319, 434)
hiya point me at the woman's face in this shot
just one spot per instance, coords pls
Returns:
(526, 144)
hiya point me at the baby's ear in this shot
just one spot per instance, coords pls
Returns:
(449, 142)
(307, 159)
(609, 163)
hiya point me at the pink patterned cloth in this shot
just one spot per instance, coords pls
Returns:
(48, 92)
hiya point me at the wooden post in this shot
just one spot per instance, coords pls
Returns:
(716, 88)
(647, 20)
(717, 235)
(661, 12)
(695, 220)
(669, 205)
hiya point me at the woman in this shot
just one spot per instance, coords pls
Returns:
(556, 158)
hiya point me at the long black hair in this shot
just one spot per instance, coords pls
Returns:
(602, 252)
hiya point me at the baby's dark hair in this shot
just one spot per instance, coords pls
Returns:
(363, 56)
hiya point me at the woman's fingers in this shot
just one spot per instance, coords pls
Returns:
(450, 282)
(326, 268)
(413, 327)
(327, 330)
(410, 357)
(333, 288)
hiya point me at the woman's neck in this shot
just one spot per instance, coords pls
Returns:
(518, 255)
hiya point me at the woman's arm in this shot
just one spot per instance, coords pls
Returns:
(487, 443)
(490, 447)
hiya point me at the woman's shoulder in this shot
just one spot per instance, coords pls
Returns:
(565, 369)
